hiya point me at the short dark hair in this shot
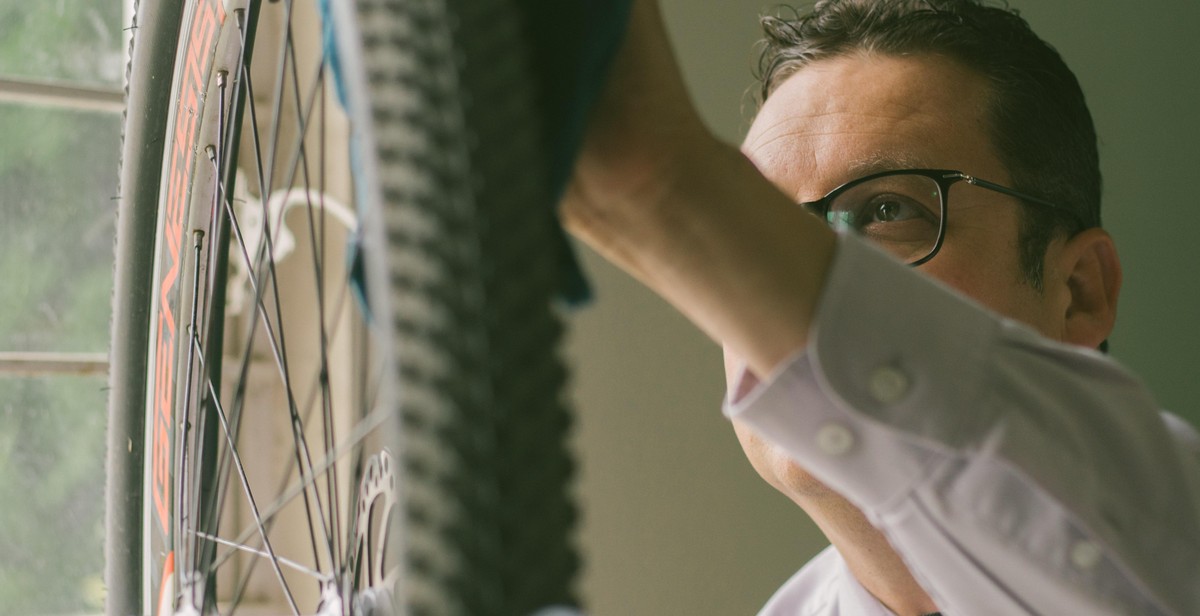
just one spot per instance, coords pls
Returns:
(1040, 124)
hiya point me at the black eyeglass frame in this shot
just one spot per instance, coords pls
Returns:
(944, 178)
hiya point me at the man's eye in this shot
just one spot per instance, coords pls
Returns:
(891, 209)
(899, 212)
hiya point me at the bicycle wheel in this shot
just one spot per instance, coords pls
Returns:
(273, 445)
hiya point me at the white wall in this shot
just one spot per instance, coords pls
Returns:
(676, 522)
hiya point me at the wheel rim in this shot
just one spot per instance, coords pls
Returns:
(288, 338)
(464, 263)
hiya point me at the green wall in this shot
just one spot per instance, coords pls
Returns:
(1139, 64)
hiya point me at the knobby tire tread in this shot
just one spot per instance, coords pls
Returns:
(485, 456)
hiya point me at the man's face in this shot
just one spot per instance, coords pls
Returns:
(842, 118)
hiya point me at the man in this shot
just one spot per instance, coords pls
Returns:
(927, 388)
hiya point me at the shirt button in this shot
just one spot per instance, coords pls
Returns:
(1085, 554)
(888, 384)
(834, 439)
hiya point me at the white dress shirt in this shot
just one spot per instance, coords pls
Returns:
(1013, 474)
(824, 587)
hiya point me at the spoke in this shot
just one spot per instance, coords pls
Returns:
(303, 115)
(183, 496)
(279, 349)
(266, 250)
(203, 547)
(217, 156)
(302, 451)
(318, 253)
(278, 98)
(276, 339)
(222, 166)
(282, 561)
(207, 520)
(306, 109)
(243, 372)
(339, 314)
(237, 462)
(364, 388)
(369, 424)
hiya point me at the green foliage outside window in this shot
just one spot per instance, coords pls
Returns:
(58, 183)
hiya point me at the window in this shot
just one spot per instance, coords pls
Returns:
(62, 69)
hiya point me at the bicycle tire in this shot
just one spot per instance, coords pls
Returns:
(486, 520)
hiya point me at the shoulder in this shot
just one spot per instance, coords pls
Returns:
(1183, 433)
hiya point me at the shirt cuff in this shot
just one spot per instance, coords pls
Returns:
(889, 383)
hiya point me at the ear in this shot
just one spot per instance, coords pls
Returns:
(1089, 259)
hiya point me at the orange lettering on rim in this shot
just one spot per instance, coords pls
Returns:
(166, 590)
(199, 53)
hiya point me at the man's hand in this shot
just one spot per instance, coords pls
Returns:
(661, 197)
(642, 135)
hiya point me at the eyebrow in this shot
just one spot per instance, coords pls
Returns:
(883, 161)
(875, 163)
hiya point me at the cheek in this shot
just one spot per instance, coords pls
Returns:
(992, 277)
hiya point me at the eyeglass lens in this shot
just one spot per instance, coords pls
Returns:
(900, 213)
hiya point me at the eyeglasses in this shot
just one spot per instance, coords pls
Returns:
(904, 211)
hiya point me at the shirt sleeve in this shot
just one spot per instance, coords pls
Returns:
(1013, 474)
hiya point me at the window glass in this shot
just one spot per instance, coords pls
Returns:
(58, 180)
(79, 41)
(58, 183)
(52, 494)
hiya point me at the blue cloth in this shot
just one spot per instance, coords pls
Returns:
(571, 45)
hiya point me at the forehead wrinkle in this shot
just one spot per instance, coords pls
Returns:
(873, 162)
(868, 162)
(790, 126)
(779, 128)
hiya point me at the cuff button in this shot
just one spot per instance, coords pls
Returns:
(1085, 555)
(888, 384)
(834, 439)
